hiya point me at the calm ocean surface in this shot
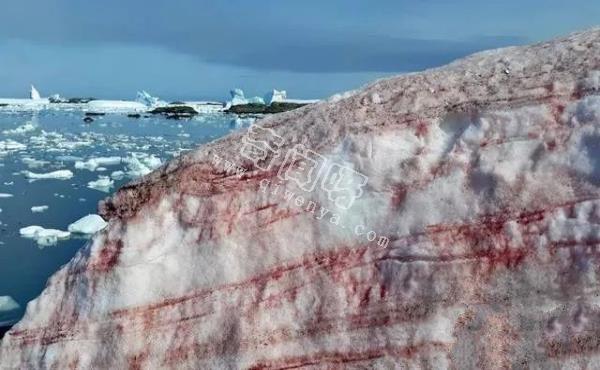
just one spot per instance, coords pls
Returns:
(48, 141)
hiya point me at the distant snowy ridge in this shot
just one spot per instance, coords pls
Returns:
(143, 103)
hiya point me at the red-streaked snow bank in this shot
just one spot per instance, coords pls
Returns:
(483, 174)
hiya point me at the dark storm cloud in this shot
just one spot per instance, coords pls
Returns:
(304, 37)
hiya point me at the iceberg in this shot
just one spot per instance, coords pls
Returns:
(148, 100)
(275, 96)
(88, 225)
(34, 94)
(237, 97)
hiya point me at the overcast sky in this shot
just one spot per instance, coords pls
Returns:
(184, 49)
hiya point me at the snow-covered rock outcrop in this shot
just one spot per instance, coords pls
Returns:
(447, 219)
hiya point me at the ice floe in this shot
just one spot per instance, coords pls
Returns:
(39, 209)
(93, 164)
(104, 184)
(141, 164)
(7, 304)
(116, 106)
(34, 163)
(88, 225)
(44, 237)
(23, 129)
(5, 195)
(58, 175)
(117, 175)
(11, 145)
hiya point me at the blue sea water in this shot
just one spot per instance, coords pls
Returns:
(55, 140)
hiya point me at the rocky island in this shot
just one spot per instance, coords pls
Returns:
(444, 219)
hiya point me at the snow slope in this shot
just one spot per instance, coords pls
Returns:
(451, 220)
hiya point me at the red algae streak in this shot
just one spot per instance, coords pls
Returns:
(108, 257)
(342, 359)
(136, 362)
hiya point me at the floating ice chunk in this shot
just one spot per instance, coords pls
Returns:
(136, 168)
(35, 231)
(11, 145)
(92, 164)
(34, 94)
(8, 304)
(151, 161)
(58, 175)
(104, 184)
(117, 175)
(70, 145)
(39, 209)
(141, 164)
(23, 129)
(275, 96)
(5, 195)
(68, 158)
(88, 225)
(34, 163)
(44, 237)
